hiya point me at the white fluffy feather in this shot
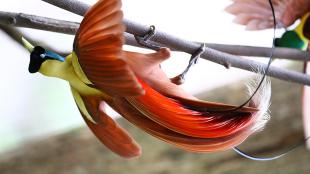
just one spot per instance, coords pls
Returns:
(261, 100)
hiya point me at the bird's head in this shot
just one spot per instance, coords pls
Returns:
(38, 55)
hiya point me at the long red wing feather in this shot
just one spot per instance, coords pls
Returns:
(107, 130)
(98, 45)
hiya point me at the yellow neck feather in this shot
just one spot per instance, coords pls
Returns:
(70, 71)
(300, 27)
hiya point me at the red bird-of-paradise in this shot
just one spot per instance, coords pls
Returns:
(100, 72)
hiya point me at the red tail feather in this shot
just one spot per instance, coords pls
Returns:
(175, 116)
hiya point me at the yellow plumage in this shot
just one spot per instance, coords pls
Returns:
(71, 71)
(299, 29)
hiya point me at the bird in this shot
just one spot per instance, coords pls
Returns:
(296, 38)
(100, 72)
(256, 15)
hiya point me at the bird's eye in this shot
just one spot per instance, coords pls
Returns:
(42, 56)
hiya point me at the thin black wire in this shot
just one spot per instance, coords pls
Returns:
(270, 58)
(265, 71)
(237, 150)
(244, 154)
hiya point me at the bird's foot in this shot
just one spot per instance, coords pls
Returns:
(144, 40)
(180, 79)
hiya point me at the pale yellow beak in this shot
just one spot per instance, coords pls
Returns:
(27, 45)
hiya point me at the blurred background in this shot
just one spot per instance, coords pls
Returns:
(41, 127)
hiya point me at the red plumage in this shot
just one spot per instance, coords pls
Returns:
(143, 94)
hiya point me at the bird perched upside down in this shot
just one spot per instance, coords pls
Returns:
(100, 72)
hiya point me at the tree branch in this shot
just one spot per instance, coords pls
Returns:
(16, 35)
(173, 42)
(251, 51)
(37, 22)
(12, 32)
(23, 20)
(67, 27)
(74, 6)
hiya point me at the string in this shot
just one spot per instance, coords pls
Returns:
(264, 73)
(237, 150)
(244, 154)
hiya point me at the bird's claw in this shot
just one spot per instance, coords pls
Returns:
(193, 60)
(144, 40)
(178, 80)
